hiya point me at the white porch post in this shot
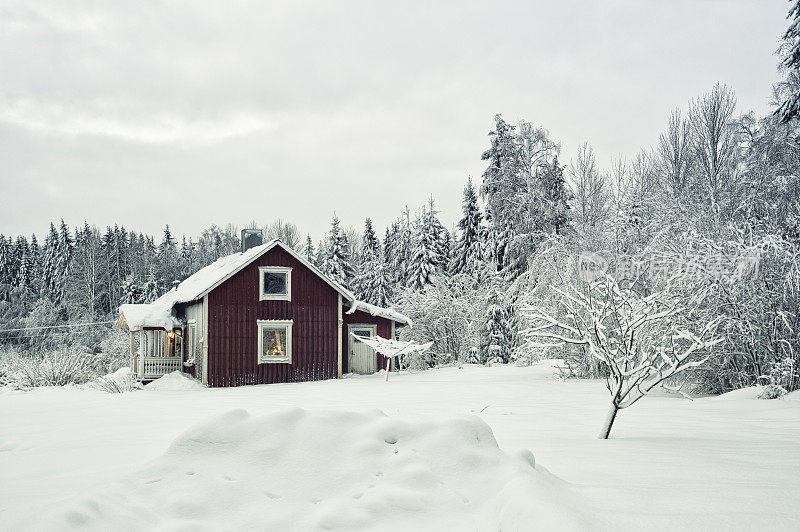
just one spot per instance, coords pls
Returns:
(204, 346)
(132, 362)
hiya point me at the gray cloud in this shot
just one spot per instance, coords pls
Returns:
(191, 113)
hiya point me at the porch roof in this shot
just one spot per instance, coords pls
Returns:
(388, 313)
(138, 316)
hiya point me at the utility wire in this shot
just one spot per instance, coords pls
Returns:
(57, 326)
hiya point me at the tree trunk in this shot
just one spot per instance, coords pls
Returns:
(612, 414)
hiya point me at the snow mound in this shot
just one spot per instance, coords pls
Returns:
(548, 368)
(752, 392)
(175, 381)
(792, 396)
(302, 470)
(119, 381)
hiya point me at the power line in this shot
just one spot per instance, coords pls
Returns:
(57, 326)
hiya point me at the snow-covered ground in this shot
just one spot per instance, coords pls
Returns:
(318, 455)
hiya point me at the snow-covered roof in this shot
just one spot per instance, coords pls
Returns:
(159, 312)
(193, 287)
(388, 313)
(137, 316)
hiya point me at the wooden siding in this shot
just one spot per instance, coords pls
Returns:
(359, 316)
(233, 311)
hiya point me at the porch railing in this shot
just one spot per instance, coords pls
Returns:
(155, 367)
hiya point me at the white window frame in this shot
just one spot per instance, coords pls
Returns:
(272, 325)
(274, 297)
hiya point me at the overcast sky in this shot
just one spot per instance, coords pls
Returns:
(192, 113)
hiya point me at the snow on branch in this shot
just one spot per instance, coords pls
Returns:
(641, 340)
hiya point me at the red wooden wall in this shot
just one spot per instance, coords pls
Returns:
(359, 316)
(234, 308)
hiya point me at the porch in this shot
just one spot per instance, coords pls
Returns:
(155, 353)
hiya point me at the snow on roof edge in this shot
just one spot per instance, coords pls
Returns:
(138, 316)
(388, 313)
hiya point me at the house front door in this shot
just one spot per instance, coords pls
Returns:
(362, 357)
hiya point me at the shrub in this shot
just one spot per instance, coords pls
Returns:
(118, 382)
(53, 368)
(114, 352)
(772, 391)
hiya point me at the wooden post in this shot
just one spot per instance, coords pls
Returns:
(388, 362)
(133, 354)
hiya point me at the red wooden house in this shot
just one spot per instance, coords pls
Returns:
(260, 316)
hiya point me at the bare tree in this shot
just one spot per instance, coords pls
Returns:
(673, 154)
(714, 143)
(642, 340)
(588, 187)
(287, 232)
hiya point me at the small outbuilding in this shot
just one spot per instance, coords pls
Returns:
(260, 316)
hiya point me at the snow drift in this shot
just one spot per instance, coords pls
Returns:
(175, 381)
(301, 470)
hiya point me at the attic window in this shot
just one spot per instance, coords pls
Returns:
(274, 341)
(275, 283)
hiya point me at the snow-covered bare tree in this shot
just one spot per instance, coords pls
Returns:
(673, 153)
(287, 232)
(588, 189)
(448, 312)
(641, 339)
(714, 142)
